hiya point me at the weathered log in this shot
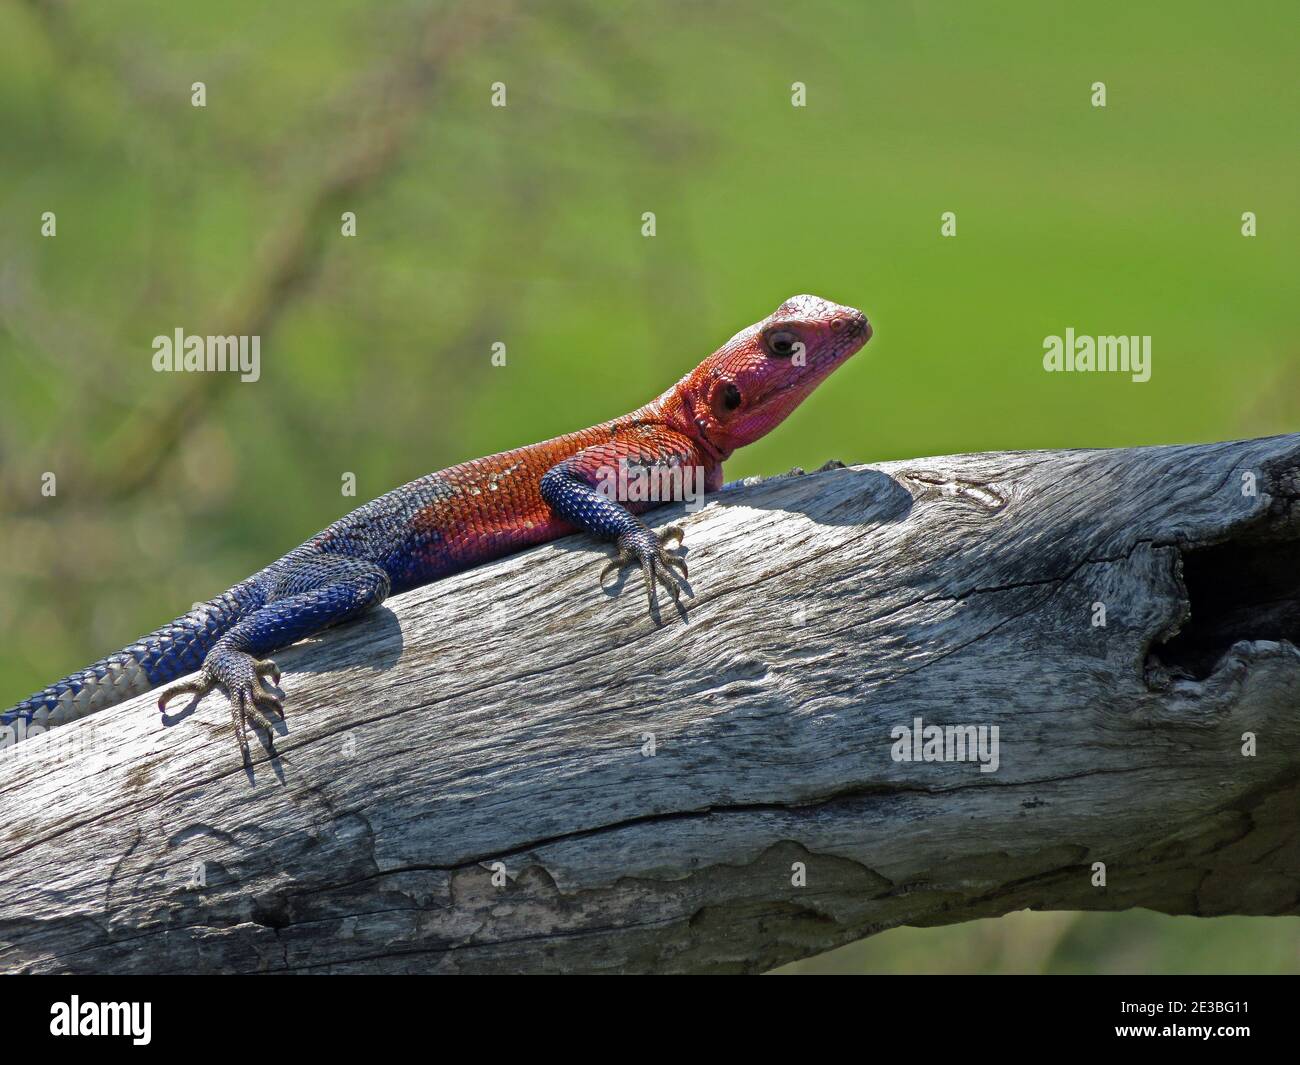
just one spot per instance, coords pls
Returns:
(512, 770)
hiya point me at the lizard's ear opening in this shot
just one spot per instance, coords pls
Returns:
(726, 398)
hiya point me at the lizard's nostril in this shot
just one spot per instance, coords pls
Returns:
(854, 323)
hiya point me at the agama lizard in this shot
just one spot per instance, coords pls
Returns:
(471, 513)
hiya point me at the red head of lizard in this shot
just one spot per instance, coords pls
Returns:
(751, 384)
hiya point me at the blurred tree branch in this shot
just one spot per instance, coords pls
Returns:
(293, 252)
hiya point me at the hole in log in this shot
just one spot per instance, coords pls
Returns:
(1239, 590)
(270, 911)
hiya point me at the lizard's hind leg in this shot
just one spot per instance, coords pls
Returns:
(304, 596)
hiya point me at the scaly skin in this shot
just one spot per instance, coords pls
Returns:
(477, 511)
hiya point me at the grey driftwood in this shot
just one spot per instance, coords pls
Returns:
(513, 770)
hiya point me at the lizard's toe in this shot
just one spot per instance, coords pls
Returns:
(623, 558)
(676, 561)
(252, 706)
(239, 720)
(665, 576)
(253, 712)
(265, 667)
(198, 688)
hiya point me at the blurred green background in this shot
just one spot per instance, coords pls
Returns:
(523, 225)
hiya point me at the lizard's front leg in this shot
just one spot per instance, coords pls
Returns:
(585, 491)
(304, 596)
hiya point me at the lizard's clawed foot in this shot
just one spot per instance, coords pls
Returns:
(642, 547)
(243, 683)
(241, 676)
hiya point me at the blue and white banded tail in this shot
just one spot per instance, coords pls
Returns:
(163, 655)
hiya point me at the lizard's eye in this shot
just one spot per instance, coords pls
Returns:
(730, 396)
(781, 343)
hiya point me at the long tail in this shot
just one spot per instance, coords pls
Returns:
(165, 654)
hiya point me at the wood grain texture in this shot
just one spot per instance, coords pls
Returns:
(501, 716)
